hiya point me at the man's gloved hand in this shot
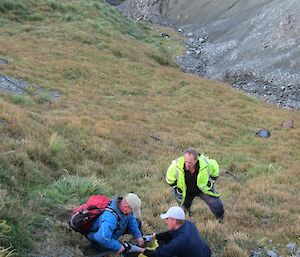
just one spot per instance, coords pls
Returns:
(148, 238)
(135, 249)
(140, 241)
(126, 246)
(130, 248)
(177, 192)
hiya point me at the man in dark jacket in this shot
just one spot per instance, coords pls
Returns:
(181, 240)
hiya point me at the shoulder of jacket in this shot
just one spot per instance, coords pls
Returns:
(179, 160)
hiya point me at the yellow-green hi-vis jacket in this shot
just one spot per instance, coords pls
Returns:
(208, 169)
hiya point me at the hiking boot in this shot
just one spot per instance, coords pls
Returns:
(188, 212)
(221, 220)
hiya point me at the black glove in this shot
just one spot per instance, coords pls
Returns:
(127, 246)
(148, 253)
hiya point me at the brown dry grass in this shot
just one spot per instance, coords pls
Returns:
(114, 94)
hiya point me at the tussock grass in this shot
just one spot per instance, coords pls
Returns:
(118, 84)
(20, 99)
(233, 250)
(5, 229)
(6, 252)
(74, 189)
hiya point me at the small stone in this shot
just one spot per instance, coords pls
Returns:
(179, 30)
(288, 125)
(190, 34)
(256, 253)
(165, 35)
(3, 61)
(292, 246)
(272, 254)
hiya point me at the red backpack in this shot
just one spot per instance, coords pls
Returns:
(83, 215)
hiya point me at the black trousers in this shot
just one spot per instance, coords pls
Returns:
(214, 203)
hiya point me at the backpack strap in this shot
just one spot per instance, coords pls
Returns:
(113, 212)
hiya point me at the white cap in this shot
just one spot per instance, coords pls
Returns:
(134, 203)
(174, 212)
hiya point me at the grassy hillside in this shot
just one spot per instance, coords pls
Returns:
(118, 84)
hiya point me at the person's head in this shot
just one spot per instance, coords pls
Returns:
(190, 158)
(174, 217)
(131, 203)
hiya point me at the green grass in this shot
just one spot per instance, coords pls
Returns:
(73, 189)
(20, 99)
(118, 83)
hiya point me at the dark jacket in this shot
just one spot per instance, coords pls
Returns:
(106, 230)
(183, 242)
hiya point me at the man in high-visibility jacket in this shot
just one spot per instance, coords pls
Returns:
(194, 175)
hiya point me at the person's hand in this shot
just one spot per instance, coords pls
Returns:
(140, 241)
(122, 249)
(148, 238)
(130, 248)
(135, 249)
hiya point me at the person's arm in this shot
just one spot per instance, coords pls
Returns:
(104, 235)
(171, 174)
(173, 248)
(214, 169)
(164, 236)
(133, 228)
(149, 253)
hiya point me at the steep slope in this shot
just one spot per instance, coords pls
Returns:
(118, 85)
(252, 44)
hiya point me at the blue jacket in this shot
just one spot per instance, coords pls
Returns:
(106, 229)
(183, 242)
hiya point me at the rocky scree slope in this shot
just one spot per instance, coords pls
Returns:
(254, 45)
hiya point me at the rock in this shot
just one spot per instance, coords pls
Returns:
(165, 35)
(179, 30)
(288, 125)
(263, 133)
(256, 253)
(114, 2)
(202, 39)
(12, 85)
(237, 49)
(266, 221)
(271, 253)
(3, 61)
(291, 247)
